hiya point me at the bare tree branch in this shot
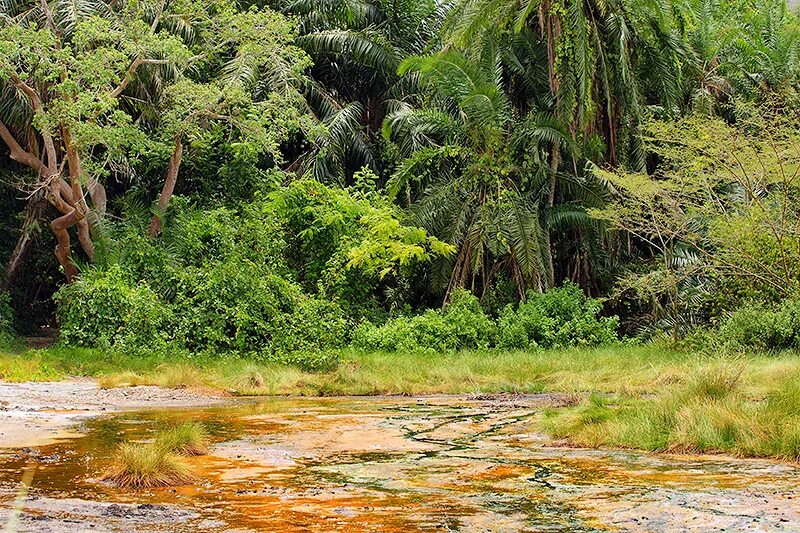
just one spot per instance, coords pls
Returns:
(19, 154)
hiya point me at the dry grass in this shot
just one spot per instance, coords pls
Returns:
(147, 466)
(622, 370)
(122, 379)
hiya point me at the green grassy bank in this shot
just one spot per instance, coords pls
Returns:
(648, 397)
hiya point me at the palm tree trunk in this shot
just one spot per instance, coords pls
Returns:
(550, 28)
(555, 159)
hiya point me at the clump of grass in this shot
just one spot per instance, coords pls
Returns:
(178, 376)
(174, 376)
(259, 379)
(708, 413)
(715, 382)
(147, 466)
(187, 439)
(121, 379)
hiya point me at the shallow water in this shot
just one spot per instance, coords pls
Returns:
(390, 464)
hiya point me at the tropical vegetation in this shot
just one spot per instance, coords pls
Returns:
(285, 183)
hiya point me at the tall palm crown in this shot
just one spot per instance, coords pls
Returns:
(604, 60)
(475, 170)
(357, 47)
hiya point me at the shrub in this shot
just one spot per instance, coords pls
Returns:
(220, 280)
(762, 328)
(461, 324)
(197, 237)
(104, 308)
(230, 306)
(238, 306)
(314, 325)
(561, 317)
(350, 243)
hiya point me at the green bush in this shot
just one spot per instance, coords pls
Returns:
(238, 306)
(561, 317)
(461, 324)
(200, 236)
(763, 328)
(313, 326)
(225, 279)
(105, 308)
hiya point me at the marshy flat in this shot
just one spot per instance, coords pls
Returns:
(377, 464)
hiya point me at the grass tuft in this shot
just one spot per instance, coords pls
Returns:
(121, 379)
(187, 439)
(147, 466)
(710, 412)
(178, 376)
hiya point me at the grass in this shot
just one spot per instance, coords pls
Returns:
(622, 370)
(158, 463)
(147, 466)
(187, 439)
(714, 410)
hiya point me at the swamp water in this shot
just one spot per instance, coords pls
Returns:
(388, 464)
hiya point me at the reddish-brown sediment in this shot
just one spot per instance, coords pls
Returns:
(392, 464)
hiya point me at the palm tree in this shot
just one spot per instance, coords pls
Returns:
(357, 47)
(605, 60)
(767, 53)
(595, 67)
(467, 174)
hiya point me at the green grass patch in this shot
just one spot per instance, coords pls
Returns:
(717, 408)
(624, 370)
(186, 439)
(138, 465)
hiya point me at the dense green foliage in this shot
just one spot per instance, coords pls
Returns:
(460, 324)
(220, 279)
(559, 318)
(767, 328)
(280, 180)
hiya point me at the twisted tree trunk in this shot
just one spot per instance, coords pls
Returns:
(169, 187)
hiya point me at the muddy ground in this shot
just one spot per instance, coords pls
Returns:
(360, 464)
